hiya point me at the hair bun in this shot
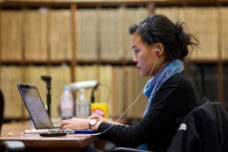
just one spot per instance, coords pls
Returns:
(184, 39)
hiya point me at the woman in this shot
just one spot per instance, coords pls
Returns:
(159, 49)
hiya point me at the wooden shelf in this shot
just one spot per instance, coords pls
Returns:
(203, 61)
(27, 62)
(6, 120)
(62, 3)
(225, 61)
(56, 62)
(102, 62)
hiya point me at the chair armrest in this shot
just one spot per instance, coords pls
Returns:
(119, 149)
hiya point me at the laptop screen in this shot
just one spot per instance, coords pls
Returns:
(35, 106)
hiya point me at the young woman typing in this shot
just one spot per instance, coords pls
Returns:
(160, 47)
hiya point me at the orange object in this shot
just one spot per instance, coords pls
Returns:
(100, 108)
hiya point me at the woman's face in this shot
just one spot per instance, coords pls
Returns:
(144, 55)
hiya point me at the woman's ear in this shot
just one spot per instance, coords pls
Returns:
(159, 49)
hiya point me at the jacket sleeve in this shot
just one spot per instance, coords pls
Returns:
(162, 111)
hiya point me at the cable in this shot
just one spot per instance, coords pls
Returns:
(129, 107)
(92, 93)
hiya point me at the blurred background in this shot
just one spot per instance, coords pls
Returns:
(80, 40)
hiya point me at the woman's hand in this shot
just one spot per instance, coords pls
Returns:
(96, 116)
(75, 123)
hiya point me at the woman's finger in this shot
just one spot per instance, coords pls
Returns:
(66, 127)
(94, 116)
(64, 122)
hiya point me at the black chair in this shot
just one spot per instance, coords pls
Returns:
(12, 146)
(8, 146)
(1, 109)
(204, 129)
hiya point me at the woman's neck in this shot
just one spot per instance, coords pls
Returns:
(160, 67)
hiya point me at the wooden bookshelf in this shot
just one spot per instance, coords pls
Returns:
(74, 5)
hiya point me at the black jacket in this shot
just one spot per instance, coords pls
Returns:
(176, 97)
(207, 130)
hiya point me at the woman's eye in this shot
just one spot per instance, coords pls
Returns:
(137, 51)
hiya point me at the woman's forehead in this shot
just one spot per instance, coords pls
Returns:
(136, 38)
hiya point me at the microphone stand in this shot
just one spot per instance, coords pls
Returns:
(47, 79)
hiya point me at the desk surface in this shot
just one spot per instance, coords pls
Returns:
(14, 132)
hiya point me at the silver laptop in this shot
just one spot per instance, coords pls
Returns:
(37, 112)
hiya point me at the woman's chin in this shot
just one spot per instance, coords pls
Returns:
(142, 74)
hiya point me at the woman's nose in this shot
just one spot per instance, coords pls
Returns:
(134, 58)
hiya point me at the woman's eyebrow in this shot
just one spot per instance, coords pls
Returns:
(133, 47)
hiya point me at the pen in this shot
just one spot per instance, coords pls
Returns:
(84, 132)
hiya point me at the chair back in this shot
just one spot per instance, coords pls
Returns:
(1, 109)
(204, 129)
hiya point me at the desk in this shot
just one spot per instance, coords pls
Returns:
(34, 142)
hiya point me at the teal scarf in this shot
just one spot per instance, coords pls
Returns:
(154, 84)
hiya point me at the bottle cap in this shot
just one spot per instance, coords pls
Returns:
(66, 88)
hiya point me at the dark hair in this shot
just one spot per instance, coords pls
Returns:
(159, 29)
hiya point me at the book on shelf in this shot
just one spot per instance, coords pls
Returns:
(61, 76)
(173, 13)
(135, 85)
(131, 16)
(87, 73)
(32, 76)
(87, 34)
(141, 104)
(117, 104)
(11, 35)
(60, 37)
(10, 76)
(224, 32)
(104, 94)
(130, 85)
(203, 23)
(35, 35)
(110, 34)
